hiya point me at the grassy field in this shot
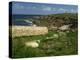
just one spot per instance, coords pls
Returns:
(64, 44)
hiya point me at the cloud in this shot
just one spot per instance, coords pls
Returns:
(73, 11)
(53, 9)
(47, 9)
(41, 7)
(62, 9)
(34, 7)
(44, 8)
(18, 6)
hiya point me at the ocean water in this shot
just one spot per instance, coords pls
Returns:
(21, 20)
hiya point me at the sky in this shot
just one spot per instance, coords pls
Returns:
(42, 8)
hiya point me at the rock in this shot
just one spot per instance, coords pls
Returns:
(64, 27)
(33, 44)
(55, 35)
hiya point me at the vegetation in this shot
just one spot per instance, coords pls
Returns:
(57, 20)
(65, 44)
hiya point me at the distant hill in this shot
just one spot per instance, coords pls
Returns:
(57, 19)
(49, 20)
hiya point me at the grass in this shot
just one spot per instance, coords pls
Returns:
(63, 45)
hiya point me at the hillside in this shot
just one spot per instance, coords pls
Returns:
(57, 20)
(54, 43)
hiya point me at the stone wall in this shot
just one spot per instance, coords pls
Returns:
(28, 30)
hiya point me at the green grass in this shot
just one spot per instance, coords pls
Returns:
(63, 45)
